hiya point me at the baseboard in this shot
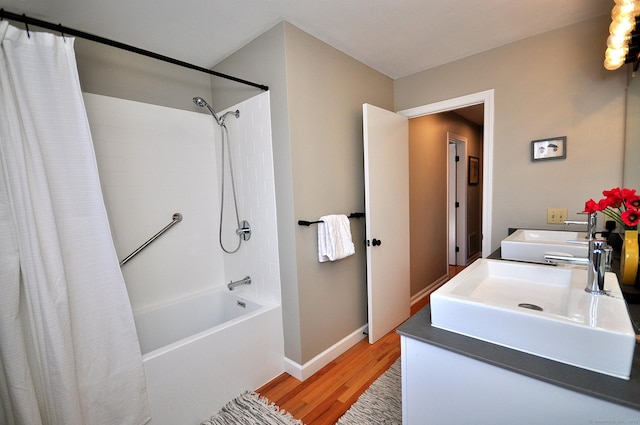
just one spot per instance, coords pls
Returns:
(304, 371)
(429, 289)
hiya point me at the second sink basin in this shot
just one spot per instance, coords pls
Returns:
(542, 310)
(532, 245)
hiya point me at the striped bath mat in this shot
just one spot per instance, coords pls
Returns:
(252, 409)
(381, 404)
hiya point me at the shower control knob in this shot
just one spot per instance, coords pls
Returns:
(376, 242)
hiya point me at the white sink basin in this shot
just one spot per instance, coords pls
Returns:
(497, 301)
(532, 245)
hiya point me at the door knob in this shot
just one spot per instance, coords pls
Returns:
(376, 242)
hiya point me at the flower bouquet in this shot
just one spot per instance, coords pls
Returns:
(622, 206)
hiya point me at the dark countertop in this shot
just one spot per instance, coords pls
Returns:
(604, 387)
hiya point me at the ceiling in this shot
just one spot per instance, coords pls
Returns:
(395, 37)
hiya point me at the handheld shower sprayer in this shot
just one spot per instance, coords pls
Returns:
(203, 104)
(220, 120)
(243, 231)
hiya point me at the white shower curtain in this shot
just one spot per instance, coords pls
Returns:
(69, 353)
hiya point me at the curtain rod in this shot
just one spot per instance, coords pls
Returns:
(73, 32)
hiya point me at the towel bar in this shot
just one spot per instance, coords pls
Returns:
(308, 223)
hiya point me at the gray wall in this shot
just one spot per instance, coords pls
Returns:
(113, 72)
(317, 96)
(632, 135)
(326, 91)
(550, 85)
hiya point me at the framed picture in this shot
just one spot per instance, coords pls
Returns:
(474, 170)
(554, 148)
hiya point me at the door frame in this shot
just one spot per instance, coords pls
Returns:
(485, 98)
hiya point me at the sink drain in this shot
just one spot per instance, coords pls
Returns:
(530, 306)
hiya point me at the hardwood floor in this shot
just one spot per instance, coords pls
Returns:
(324, 397)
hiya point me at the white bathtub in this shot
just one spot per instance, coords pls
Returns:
(203, 351)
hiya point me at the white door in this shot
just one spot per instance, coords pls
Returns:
(386, 172)
(452, 210)
(457, 200)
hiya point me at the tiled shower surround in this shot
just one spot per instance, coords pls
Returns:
(154, 161)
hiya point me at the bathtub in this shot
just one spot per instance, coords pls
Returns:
(202, 351)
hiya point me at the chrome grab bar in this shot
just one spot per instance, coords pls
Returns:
(176, 218)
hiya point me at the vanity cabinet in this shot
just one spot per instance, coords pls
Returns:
(452, 379)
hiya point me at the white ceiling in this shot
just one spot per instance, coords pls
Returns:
(395, 37)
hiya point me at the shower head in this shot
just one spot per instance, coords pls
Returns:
(203, 104)
(199, 101)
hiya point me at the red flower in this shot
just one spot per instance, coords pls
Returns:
(615, 192)
(591, 206)
(633, 203)
(612, 202)
(631, 217)
(627, 193)
(621, 205)
(616, 196)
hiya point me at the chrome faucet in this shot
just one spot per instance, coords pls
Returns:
(246, 281)
(590, 223)
(599, 257)
(558, 258)
(596, 267)
(591, 233)
(591, 236)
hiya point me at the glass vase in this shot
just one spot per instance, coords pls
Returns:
(629, 257)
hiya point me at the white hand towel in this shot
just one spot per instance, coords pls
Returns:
(334, 238)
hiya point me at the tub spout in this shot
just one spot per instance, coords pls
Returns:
(246, 281)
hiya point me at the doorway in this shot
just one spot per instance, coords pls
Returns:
(486, 99)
